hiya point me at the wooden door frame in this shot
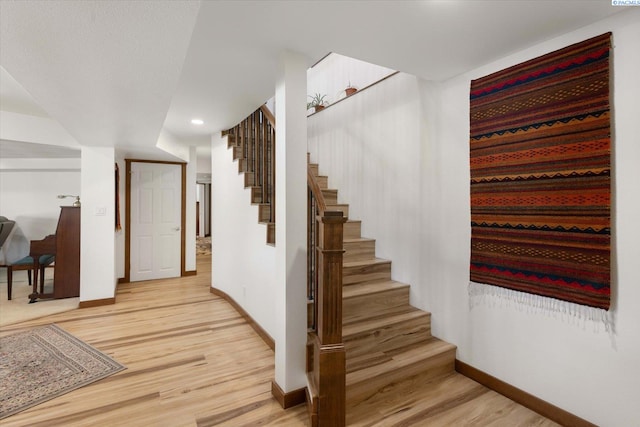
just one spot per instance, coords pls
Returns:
(127, 216)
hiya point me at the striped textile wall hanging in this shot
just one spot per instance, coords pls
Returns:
(540, 176)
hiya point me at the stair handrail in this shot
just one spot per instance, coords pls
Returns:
(326, 357)
(268, 114)
(253, 141)
(314, 187)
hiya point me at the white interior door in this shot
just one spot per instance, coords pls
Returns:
(156, 200)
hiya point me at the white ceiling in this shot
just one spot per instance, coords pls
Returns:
(14, 98)
(117, 73)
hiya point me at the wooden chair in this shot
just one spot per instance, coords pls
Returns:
(25, 263)
(6, 227)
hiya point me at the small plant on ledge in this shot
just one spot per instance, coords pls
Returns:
(350, 90)
(317, 102)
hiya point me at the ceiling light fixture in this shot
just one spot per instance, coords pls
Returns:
(197, 121)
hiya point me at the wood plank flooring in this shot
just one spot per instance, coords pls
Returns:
(192, 360)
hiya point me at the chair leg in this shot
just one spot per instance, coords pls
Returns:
(29, 276)
(41, 281)
(9, 280)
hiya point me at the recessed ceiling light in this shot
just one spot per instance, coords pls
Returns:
(197, 121)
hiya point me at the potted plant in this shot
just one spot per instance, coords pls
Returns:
(317, 102)
(350, 90)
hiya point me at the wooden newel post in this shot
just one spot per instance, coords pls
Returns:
(330, 353)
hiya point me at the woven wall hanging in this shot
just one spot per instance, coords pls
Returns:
(540, 176)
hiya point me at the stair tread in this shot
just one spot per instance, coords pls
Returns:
(365, 288)
(364, 262)
(410, 399)
(358, 239)
(352, 319)
(418, 353)
(382, 320)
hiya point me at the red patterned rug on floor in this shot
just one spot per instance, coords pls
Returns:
(46, 362)
(540, 176)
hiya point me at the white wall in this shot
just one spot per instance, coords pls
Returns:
(203, 161)
(291, 223)
(190, 212)
(28, 196)
(243, 265)
(97, 230)
(577, 366)
(204, 191)
(579, 369)
(344, 71)
(201, 199)
(374, 165)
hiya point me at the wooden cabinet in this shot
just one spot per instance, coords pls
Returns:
(66, 276)
(65, 245)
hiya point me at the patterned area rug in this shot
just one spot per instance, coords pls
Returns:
(203, 245)
(46, 362)
(540, 176)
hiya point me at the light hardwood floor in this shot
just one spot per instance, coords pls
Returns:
(192, 360)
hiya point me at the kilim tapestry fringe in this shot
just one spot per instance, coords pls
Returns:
(540, 179)
(495, 296)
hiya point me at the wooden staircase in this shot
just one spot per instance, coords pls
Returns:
(388, 342)
(371, 358)
(253, 143)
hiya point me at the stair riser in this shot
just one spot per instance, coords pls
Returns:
(310, 309)
(358, 251)
(264, 213)
(365, 306)
(271, 233)
(323, 182)
(351, 275)
(389, 337)
(237, 153)
(330, 196)
(420, 372)
(256, 195)
(242, 165)
(314, 168)
(352, 230)
(342, 208)
(249, 179)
